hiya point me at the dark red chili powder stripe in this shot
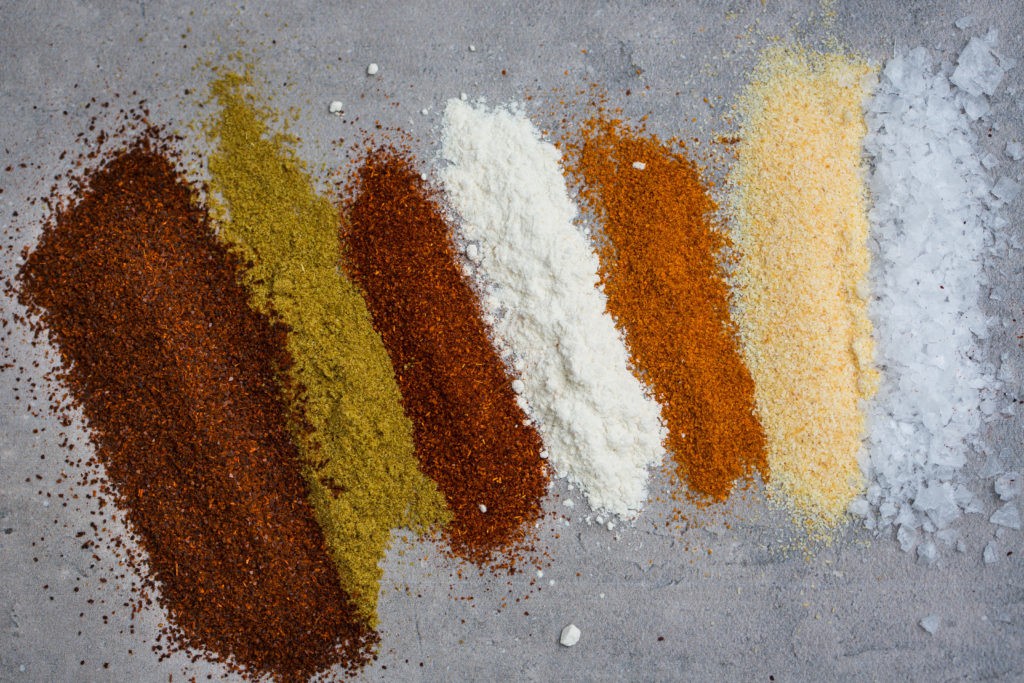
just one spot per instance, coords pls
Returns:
(468, 428)
(177, 378)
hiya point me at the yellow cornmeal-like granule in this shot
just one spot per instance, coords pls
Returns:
(799, 210)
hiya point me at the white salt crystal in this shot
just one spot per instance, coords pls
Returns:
(964, 23)
(372, 69)
(336, 107)
(931, 623)
(938, 502)
(860, 507)
(1015, 151)
(473, 251)
(932, 222)
(991, 553)
(568, 502)
(639, 165)
(927, 553)
(990, 161)
(1006, 189)
(1007, 516)
(907, 538)
(974, 107)
(978, 71)
(483, 508)
(1008, 486)
(570, 635)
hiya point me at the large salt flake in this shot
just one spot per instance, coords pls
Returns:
(978, 70)
(933, 220)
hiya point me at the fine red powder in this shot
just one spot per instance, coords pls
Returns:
(469, 430)
(178, 380)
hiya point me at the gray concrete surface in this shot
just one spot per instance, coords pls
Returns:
(731, 597)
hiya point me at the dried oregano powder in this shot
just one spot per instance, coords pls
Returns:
(358, 452)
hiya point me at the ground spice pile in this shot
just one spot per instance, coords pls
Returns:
(469, 430)
(659, 253)
(358, 451)
(540, 293)
(177, 378)
(798, 203)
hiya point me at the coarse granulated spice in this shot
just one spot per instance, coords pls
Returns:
(177, 379)
(799, 210)
(358, 451)
(659, 251)
(470, 433)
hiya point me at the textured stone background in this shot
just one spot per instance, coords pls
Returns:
(733, 596)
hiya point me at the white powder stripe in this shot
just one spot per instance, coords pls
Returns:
(932, 212)
(538, 277)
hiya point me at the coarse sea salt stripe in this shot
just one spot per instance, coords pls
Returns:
(538, 278)
(930, 222)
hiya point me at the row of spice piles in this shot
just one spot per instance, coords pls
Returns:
(314, 409)
(377, 375)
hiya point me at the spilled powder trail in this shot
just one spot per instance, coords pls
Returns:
(798, 205)
(177, 379)
(470, 433)
(358, 451)
(659, 253)
(538, 277)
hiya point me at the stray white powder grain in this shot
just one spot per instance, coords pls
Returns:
(570, 635)
(537, 276)
(932, 218)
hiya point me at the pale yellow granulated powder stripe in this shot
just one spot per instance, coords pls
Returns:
(798, 205)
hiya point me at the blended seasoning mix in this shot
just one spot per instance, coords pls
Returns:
(659, 251)
(471, 435)
(799, 209)
(357, 451)
(177, 378)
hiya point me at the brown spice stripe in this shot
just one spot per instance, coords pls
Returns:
(177, 378)
(469, 430)
(666, 291)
